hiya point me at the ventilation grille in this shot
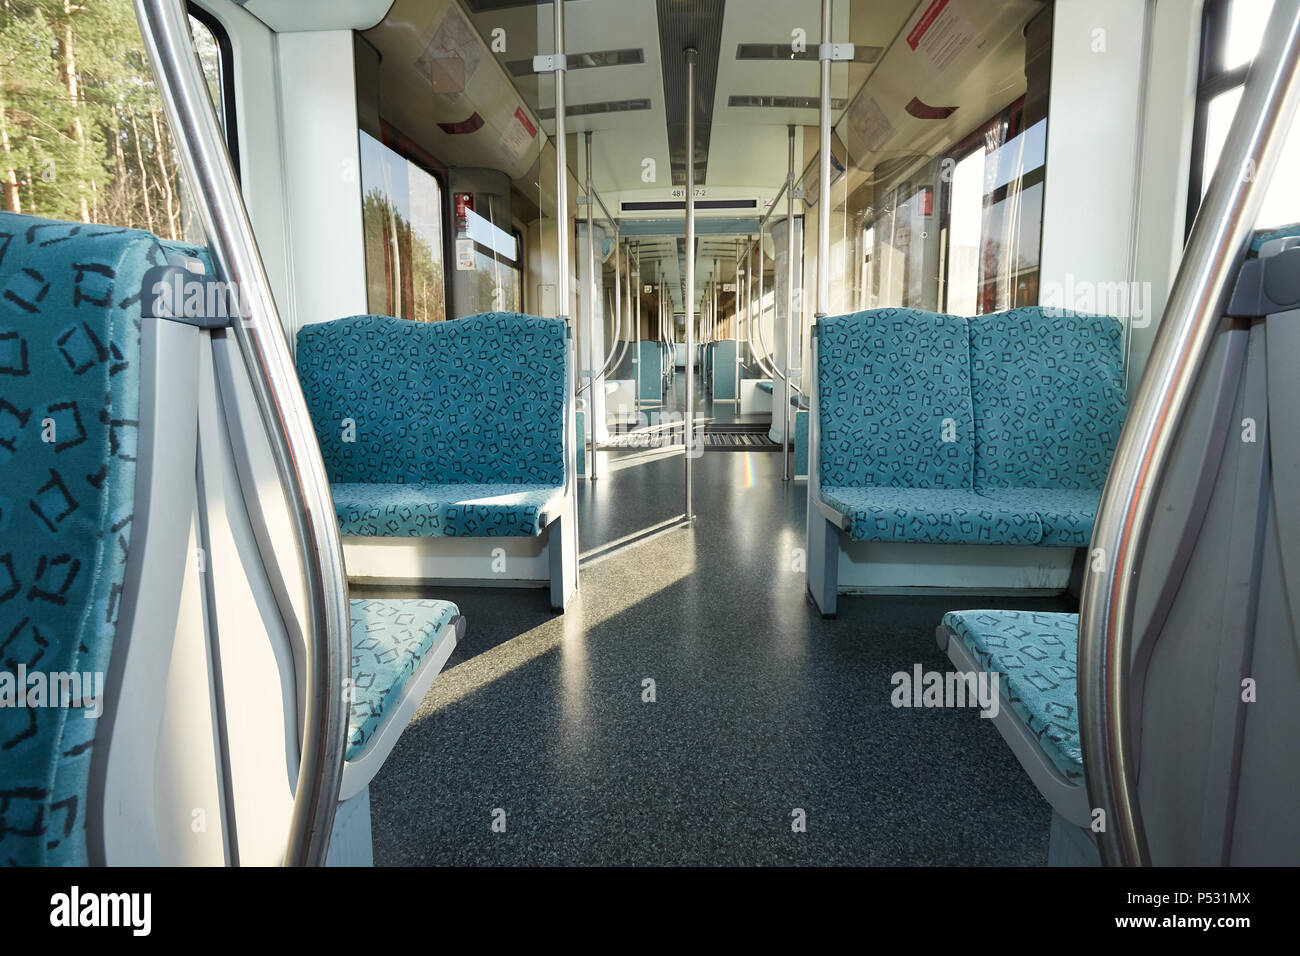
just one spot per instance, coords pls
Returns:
(679, 205)
(784, 102)
(585, 61)
(682, 24)
(586, 109)
(782, 51)
(490, 6)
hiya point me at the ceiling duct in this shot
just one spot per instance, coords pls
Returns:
(783, 102)
(587, 109)
(682, 24)
(491, 6)
(783, 51)
(585, 61)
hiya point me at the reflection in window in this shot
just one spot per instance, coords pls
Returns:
(401, 218)
(488, 264)
(965, 219)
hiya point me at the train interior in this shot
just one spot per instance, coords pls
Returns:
(725, 432)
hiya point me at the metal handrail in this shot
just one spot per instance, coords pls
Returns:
(207, 168)
(1197, 300)
(692, 56)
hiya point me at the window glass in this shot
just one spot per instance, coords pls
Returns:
(1246, 19)
(82, 131)
(401, 216)
(942, 195)
(208, 50)
(965, 220)
(1239, 43)
(488, 258)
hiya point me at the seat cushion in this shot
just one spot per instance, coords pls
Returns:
(1048, 392)
(390, 638)
(1066, 514)
(931, 515)
(1036, 655)
(433, 510)
(894, 400)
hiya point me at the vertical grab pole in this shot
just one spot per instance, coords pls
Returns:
(717, 282)
(824, 178)
(691, 56)
(758, 310)
(562, 257)
(742, 278)
(789, 311)
(635, 289)
(618, 302)
(1198, 298)
(591, 305)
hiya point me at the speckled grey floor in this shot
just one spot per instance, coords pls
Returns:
(762, 707)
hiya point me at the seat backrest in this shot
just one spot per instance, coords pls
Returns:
(478, 399)
(1048, 391)
(1258, 239)
(70, 317)
(893, 389)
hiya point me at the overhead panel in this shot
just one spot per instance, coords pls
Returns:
(584, 61)
(784, 51)
(682, 24)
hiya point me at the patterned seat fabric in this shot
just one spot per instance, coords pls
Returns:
(894, 389)
(476, 402)
(389, 640)
(1048, 391)
(932, 515)
(461, 511)
(1014, 415)
(69, 409)
(1036, 655)
(1064, 515)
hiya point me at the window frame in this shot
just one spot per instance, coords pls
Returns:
(1213, 79)
(225, 80)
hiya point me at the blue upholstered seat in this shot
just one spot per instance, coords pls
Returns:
(1047, 388)
(1064, 515)
(933, 515)
(1036, 655)
(895, 404)
(69, 410)
(447, 428)
(426, 509)
(389, 640)
(1264, 235)
(191, 250)
(992, 430)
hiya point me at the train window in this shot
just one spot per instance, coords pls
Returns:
(216, 58)
(951, 205)
(82, 130)
(401, 216)
(965, 213)
(1231, 34)
(492, 256)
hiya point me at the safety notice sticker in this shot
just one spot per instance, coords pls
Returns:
(941, 34)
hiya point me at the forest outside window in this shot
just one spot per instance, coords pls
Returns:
(83, 135)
